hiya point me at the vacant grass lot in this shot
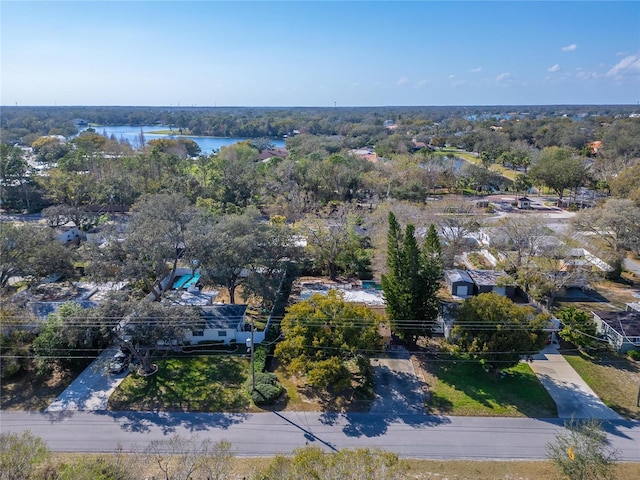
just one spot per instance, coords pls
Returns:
(614, 378)
(213, 383)
(457, 386)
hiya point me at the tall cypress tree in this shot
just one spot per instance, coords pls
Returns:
(431, 272)
(412, 282)
(393, 284)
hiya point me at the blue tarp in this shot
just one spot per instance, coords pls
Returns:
(192, 281)
(179, 283)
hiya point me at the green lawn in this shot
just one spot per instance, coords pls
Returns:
(614, 378)
(505, 172)
(461, 387)
(198, 384)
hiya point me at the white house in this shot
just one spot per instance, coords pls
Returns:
(633, 306)
(224, 323)
(69, 235)
(620, 329)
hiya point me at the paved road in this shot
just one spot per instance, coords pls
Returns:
(573, 397)
(266, 434)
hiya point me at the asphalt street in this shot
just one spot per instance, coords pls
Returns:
(266, 434)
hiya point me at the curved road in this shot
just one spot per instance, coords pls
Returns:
(265, 434)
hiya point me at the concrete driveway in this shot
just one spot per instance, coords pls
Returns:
(573, 397)
(632, 265)
(92, 388)
(397, 388)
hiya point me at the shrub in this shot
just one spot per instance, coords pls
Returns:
(20, 454)
(582, 451)
(267, 388)
(260, 358)
(633, 354)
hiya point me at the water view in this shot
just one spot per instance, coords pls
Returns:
(207, 144)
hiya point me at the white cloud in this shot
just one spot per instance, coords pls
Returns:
(402, 81)
(503, 77)
(422, 83)
(458, 83)
(476, 70)
(569, 48)
(586, 75)
(628, 65)
(554, 68)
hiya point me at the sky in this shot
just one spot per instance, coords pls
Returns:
(319, 53)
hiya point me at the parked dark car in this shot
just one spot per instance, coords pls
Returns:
(119, 363)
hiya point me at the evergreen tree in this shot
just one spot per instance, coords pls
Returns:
(578, 327)
(497, 332)
(412, 282)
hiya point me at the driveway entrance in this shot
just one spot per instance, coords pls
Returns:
(397, 388)
(92, 388)
(573, 397)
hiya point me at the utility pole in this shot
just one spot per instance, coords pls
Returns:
(249, 343)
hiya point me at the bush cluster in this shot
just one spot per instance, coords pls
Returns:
(267, 388)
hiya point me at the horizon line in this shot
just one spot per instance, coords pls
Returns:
(329, 106)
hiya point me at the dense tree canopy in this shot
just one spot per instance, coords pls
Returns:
(498, 332)
(578, 327)
(336, 248)
(32, 252)
(321, 333)
(559, 169)
(627, 184)
(155, 240)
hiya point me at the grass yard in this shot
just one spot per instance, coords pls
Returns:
(614, 378)
(211, 383)
(496, 167)
(461, 387)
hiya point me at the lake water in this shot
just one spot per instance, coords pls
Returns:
(207, 144)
